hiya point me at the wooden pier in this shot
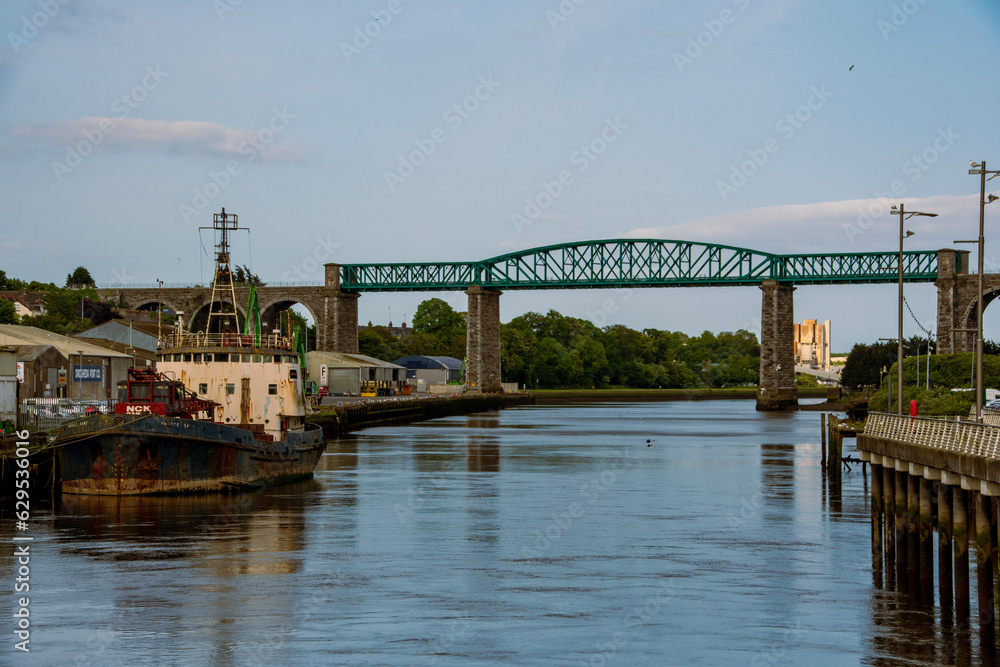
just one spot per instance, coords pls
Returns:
(936, 475)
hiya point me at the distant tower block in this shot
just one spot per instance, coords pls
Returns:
(812, 344)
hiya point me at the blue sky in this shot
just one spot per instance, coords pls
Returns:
(123, 126)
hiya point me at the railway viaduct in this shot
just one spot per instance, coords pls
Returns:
(621, 263)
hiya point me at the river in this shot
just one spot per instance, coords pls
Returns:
(675, 533)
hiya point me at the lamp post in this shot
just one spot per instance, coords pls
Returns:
(888, 374)
(903, 216)
(980, 168)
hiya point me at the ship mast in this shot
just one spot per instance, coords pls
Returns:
(222, 284)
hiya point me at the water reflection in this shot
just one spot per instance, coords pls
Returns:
(409, 547)
(257, 532)
(482, 444)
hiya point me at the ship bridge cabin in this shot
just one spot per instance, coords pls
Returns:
(258, 387)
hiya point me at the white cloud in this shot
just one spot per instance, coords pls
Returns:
(184, 136)
(857, 225)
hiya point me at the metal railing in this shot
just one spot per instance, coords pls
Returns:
(42, 414)
(185, 339)
(951, 436)
(126, 286)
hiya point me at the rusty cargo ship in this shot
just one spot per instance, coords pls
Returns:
(222, 411)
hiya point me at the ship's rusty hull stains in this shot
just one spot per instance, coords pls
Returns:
(151, 454)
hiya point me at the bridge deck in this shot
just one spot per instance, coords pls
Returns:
(621, 263)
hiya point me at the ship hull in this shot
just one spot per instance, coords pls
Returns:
(119, 455)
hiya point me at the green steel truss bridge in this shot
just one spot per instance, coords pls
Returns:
(639, 263)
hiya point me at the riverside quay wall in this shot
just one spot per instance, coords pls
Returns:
(340, 420)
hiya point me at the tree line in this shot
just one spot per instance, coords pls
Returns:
(553, 350)
(67, 311)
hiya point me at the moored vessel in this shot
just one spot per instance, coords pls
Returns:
(224, 410)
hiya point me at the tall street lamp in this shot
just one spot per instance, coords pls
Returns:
(903, 215)
(980, 168)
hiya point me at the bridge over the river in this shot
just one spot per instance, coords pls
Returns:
(619, 263)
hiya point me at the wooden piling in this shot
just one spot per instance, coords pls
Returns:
(833, 463)
(984, 559)
(889, 506)
(926, 537)
(996, 553)
(822, 432)
(902, 530)
(913, 532)
(960, 538)
(877, 512)
(944, 524)
(838, 447)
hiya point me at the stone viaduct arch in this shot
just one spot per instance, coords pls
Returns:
(957, 302)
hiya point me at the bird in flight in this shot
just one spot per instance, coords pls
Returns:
(850, 68)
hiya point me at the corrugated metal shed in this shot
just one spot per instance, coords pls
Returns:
(8, 384)
(434, 370)
(141, 354)
(8, 360)
(344, 360)
(141, 335)
(421, 362)
(346, 373)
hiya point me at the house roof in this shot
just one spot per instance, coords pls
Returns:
(31, 352)
(13, 334)
(30, 299)
(343, 360)
(422, 362)
(140, 353)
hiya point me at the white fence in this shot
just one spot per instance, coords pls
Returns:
(42, 414)
(952, 436)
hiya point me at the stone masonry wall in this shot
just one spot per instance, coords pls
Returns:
(482, 360)
(777, 359)
(341, 317)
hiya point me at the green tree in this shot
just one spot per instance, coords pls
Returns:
(100, 312)
(436, 317)
(552, 366)
(242, 275)
(11, 283)
(378, 342)
(65, 304)
(593, 360)
(80, 278)
(518, 347)
(865, 363)
(422, 344)
(8, 315)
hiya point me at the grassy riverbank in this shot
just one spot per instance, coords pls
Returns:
(594, 395)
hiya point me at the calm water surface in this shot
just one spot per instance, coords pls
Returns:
(545, 535)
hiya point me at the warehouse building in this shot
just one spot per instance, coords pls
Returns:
(354, 374)
(51, 366)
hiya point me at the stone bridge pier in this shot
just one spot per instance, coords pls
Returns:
(482, 342)
(339, 330)
(957, 300)
(776, 390)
